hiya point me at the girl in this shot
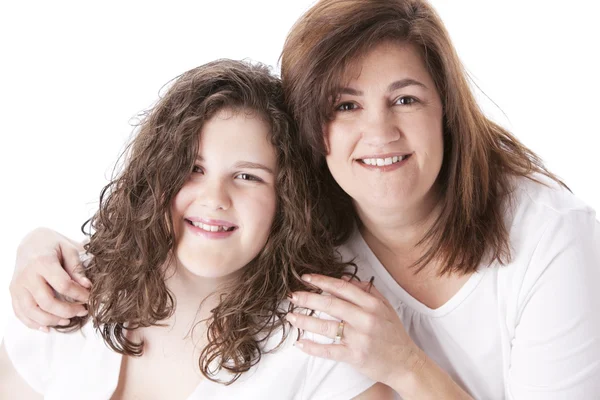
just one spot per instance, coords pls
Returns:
(195, 246)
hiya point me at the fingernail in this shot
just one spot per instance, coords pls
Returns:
(64, 322)
(291, 317)
(306, 278)
(86, 282)
(299, 345)
(82, 313)
(294, 297)
(44, 329)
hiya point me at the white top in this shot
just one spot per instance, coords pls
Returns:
(528, 330)
(78, 365)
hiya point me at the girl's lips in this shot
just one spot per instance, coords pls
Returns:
(210, 221)
(219, 234)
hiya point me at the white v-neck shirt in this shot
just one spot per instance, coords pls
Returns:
(528, 330)
(79, 365)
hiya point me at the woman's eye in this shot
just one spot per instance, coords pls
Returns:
(346, 107)
(248, 177)
(197, 170)
(406, 101)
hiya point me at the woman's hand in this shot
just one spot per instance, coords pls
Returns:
(48, 264)
(373, 340)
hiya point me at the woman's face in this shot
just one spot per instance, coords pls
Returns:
(223, 213)
(385, 141)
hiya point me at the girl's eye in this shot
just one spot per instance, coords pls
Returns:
(248, 177)
(406, 101)
(346, 107)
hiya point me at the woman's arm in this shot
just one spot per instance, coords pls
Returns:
(555, 349)
(378, 391)
(48, 263)
(12, 385)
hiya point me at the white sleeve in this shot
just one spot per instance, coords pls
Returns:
(30, 352)
(555, 352)
(331, 380)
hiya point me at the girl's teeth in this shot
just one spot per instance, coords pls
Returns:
(209, 228)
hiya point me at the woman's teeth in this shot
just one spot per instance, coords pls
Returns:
(211, 228)
(380, 162)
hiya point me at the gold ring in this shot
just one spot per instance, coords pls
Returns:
(340, 332)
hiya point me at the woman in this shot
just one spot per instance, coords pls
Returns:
(484, 264)
(196, 245)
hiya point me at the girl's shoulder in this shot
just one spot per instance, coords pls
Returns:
(57, 364)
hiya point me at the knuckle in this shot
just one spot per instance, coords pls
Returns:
(324, 327)
(28, 304)
(370, 322)
(328, 303)
(300, 298)
(63, 286)
(373, 303)
(44, 301)
(41, 260)
(341, 284)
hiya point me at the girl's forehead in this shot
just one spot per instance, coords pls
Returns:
(232, 133)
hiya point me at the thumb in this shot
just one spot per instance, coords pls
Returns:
(72, 262)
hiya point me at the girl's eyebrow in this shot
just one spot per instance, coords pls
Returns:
(246, 164)
(253, 165)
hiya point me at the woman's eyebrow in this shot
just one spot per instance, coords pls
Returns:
(253, 165)
(402, 83)
(399, 84)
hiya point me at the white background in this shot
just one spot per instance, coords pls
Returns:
(73, 74)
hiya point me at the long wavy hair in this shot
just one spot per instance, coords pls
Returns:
(480, 157)
(132, 232)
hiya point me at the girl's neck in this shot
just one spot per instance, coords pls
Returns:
(194, 295)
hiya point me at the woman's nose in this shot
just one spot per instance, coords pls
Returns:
(380, 128)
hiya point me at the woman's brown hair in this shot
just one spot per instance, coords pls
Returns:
(132, 232)
(480, 157)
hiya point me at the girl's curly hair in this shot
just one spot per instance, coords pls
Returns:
(132, 233)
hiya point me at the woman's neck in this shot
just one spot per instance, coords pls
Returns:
(398, 230)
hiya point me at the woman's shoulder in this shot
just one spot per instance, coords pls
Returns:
(541, 210)
(552, 234)
(539, 195)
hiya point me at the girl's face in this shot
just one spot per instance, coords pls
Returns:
(385, 142)
(222, 215)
